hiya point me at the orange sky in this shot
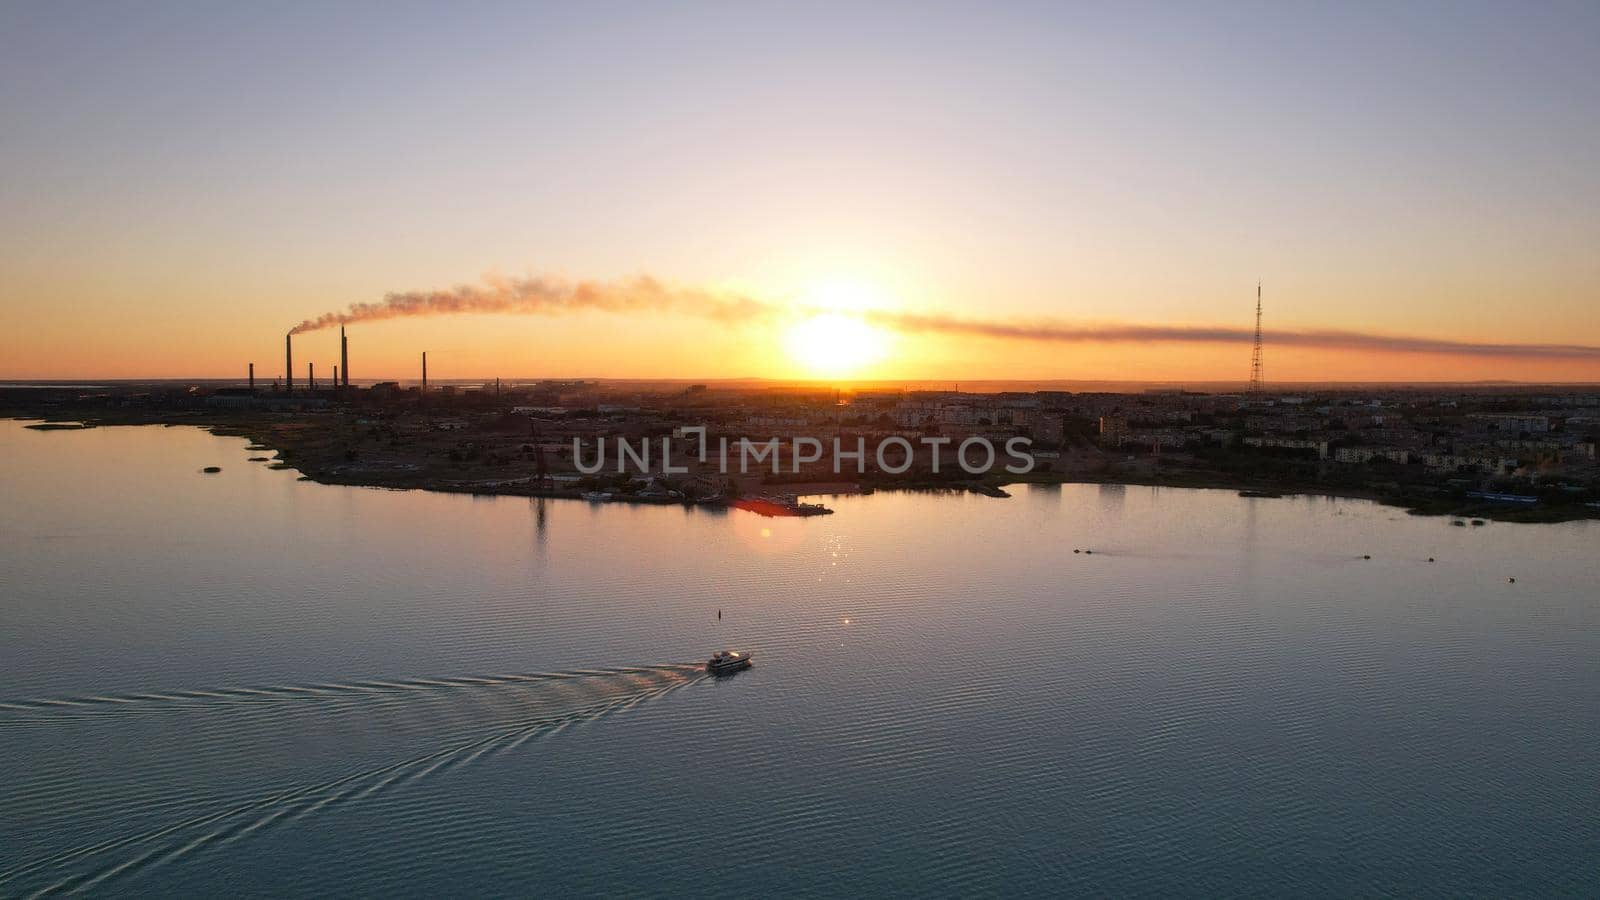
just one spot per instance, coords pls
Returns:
(179, 190)
(661, 345)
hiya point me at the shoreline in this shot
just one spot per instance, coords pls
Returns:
(1440, 508)
(273, 435)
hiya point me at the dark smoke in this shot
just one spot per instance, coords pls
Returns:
(546, 296)
(549, 296)
(1327, 339)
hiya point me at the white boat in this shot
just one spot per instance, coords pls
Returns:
(726, 662)
(596, 496)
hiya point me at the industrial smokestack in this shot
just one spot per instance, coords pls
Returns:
(311, 376)
(344, 357)
(252, 376)
(288, 362)
(424, 371)
(336, 378)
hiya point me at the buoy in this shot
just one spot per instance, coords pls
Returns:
(719, 615)
(1366, 556)
(1077, 551)
(1088, 551)
(1511, 581)
(1430, 559)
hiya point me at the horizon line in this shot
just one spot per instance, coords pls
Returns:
(831, 383)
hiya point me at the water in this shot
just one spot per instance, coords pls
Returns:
(243, 683)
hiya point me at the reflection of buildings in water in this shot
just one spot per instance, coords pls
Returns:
(1250, 551)
(1049, 489)
(1112, 497)
(1250, 528)
(541, 517)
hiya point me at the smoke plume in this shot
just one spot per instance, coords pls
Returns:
(1325, 339)
(547, 296)
(550, 296)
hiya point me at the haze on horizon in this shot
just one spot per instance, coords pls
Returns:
(1086, 192)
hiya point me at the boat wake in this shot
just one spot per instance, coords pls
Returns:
(517, 710)
(217, 699)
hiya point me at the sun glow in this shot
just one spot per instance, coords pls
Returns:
(832, 344)
(842, 295)
(831, 338)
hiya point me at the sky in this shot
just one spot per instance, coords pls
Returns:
(1064, 190)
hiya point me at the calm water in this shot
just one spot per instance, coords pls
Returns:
(242, 683)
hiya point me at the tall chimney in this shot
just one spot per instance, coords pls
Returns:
(336, 378)
(311, 376)
(288, 362)
(424, 371)
(344, 357)
(252, 376)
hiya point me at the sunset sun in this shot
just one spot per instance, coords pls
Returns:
(834, 344)
(832, 338)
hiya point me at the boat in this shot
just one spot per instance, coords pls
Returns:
(1502, 498)
(726, 662)
(596, 496)
(771, 505)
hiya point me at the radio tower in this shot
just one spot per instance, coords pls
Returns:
(1255, 355)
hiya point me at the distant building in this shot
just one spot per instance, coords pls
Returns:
(1455, 462)
(1284, 443)
(1514, 423)
(232, 400)
(1357, 455)
(1155, 438)
(1047, 429)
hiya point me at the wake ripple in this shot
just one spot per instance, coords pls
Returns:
(541, 709)
(224, 698)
